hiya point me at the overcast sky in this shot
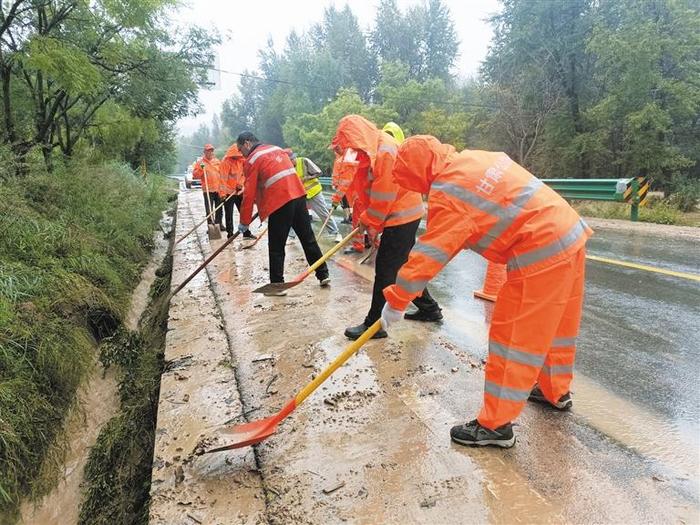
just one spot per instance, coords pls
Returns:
(245, 27)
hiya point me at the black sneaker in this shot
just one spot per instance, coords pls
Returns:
(248, 235)
(424, 315)
(356, 331)
(473, 434)
(565, 402)
(351, 250)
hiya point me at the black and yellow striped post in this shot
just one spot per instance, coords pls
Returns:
(636, 194)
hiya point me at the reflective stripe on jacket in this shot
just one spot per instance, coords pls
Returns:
(484, 201)
(213, 180)
(306, 168)
(384, 203)
(270, 182)
(231, 171)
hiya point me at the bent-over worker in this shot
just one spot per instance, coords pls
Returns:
(387, 208)
(484, 201)
(272, 184)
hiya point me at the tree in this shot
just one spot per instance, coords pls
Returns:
(66, 59)
(311, 133)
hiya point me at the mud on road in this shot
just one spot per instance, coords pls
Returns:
(372, 444)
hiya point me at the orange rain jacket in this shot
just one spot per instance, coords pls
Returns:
(382, 201)
(231, 171)
(271, 181)
(343, 173)
(213, 176)
(483, 201)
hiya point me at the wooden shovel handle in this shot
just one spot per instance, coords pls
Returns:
(338, 361)
(331, 252)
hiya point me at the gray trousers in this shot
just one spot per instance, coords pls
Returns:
(319, 207)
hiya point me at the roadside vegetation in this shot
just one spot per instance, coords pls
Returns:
(118, 473)
(89, 98)
(72, 245)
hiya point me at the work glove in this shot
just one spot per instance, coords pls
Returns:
(390, 316)
(242, 228)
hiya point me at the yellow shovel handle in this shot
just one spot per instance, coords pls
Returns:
(338, 361)
(332, 251)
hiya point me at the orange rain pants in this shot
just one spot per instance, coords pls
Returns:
(533, 338)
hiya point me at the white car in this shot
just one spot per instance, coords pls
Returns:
(191, 182)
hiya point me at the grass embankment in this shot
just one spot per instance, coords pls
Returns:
(71, 247)
(659, 211)
(118, 473)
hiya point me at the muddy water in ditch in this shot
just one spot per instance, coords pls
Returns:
(372, 445)
(97, 403)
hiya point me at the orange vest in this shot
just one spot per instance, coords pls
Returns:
(486, 202)
(231, 171)
(384, 203)
(212, 170)
(271, 181)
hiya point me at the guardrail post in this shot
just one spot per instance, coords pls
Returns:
(634, 214)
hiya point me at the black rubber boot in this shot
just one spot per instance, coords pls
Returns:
(424, 315)
(356, 331)
(473, 434)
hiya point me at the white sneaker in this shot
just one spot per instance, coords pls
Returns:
(325, 282)
(338, 238)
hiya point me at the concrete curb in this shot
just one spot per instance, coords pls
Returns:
(198, 395)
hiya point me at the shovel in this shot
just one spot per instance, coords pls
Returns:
(256, 431)
(207, 261)
(277, 287)
(249, 246)
(204, 219)
(213, 231)
(325, 223)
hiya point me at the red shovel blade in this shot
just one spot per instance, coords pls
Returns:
(278, 287)
(249, 433)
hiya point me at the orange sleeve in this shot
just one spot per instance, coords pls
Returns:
(382, 193)
(447, 232)
(197, 171)
(249, 193)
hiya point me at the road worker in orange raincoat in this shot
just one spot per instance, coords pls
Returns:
(208, 164)
(486, 202)
(382, 207)
(341, 178)
(231, 186)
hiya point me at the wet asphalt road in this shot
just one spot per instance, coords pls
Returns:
(638, 361)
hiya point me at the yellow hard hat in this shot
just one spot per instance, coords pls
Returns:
(393, 129)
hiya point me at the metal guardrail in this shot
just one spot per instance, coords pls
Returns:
(633, 191)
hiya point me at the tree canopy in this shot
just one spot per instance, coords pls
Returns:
(577, 88)
(78, 74)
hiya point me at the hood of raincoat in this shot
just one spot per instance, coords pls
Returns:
(420, 159)
(358, 133)
(233, 152)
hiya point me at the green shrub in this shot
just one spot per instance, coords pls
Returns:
(685, 193)
(71, 247)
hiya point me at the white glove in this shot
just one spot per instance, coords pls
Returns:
(390, 316)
